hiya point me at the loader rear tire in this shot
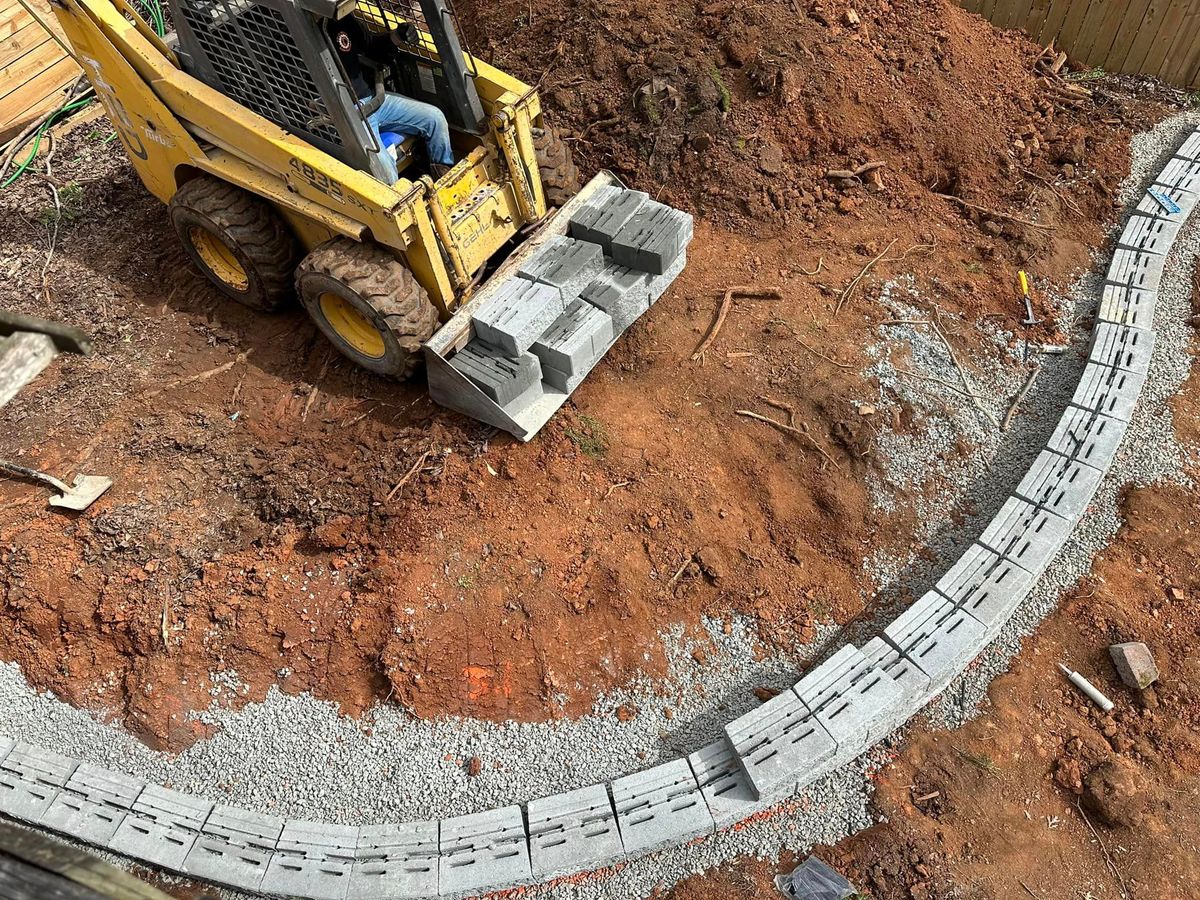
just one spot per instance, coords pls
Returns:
(237, 240)
(560, 178)
(368, 304)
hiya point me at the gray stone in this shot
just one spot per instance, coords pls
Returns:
(395, 862)
(573, 832)
(723, 782)
(1127, 306)
(1122, 347)
(312, 859)
(1026, 534)
(605, 215)
(1135, 664)
(652, 239)
(1062, 485)
(515, 316)
(986, 585)
(781, 745)
(573, 344)
(1113, 392)
(485, 851)
(660, 807)
(565, 264)
(234, 847)
(161, 827)
(504, 379)
(30, 778)
(621, 292)
(92, 804)
(1088, 436)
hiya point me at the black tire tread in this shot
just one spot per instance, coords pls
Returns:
(385, 283)
(556, 166)
(254, 226)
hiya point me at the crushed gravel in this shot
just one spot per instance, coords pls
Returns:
(295, 756)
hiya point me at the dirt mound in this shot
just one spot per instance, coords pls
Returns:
(741, 111)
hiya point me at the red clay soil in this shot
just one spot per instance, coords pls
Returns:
(1044, 796)
(285, 519)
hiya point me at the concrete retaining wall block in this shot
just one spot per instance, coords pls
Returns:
(660, 807)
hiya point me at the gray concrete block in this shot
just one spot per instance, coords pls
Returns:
(660, 807)
(312, 859)
(1026, 534)
(503, 379)
(573, 344)
(516, 315)
(92, 804)
(565, 264)
(1127, 306)
(1135, 664)
(395, 862)
(1151, 235)
(660, 283)
(1061, 485)
(6, 747)
(1148, 206)
(1122, 347)
(1112, 392)
(1132, 268)
(1181, 173)
(1088, 436)
(723, 783)
(573, 832)
(926, 606)
(1190, 149)
(781, 745)
(944, 650)
(234, 847)
(986, 585)
(30, 778)
(605, 215)
(161, 827)
(913, 683)
(854, 700)
(652, 239)
(621, 292)
(482, 852)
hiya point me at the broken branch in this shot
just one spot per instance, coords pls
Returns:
(801, 432)
(994, 213)
(723, 311)
(849, 289)
(1012, 409)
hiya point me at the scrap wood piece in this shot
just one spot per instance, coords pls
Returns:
(995, 214)
(203, 376)
(417, 466)
(854, 282)
(802, 431)
(1017, 400)
(723, 311)
(864, 169)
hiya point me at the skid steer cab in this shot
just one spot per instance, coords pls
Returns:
(455, 231)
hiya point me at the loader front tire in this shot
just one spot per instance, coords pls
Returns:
(368, 304)
(556, 166)
(237, 240)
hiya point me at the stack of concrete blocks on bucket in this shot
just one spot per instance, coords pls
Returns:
(545, 328)
(836, 712)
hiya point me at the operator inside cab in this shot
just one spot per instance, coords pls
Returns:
(397, 114)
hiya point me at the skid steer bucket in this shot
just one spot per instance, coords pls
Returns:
(514, 353)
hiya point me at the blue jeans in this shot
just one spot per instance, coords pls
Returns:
(404, 115)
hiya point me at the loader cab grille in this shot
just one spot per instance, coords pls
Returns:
(257, 62)
(384, 15)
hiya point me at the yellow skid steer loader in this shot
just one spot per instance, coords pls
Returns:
(280, 182)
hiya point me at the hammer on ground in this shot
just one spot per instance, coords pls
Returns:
(1029, 319)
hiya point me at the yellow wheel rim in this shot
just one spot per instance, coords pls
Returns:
(353, 327)
(219, 258)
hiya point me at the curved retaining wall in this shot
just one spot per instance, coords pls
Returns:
(832, 715)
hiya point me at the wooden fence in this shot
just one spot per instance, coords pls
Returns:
(34, 70)
(1149, 37)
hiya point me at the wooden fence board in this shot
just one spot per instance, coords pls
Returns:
(1160, 38)
(34, 70)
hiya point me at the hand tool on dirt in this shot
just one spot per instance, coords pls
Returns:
(1029, 319)
(1089, 690)
(86, 490)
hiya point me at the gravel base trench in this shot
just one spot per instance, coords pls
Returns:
(295, 756)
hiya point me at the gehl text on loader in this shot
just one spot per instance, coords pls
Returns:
(283, 179)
